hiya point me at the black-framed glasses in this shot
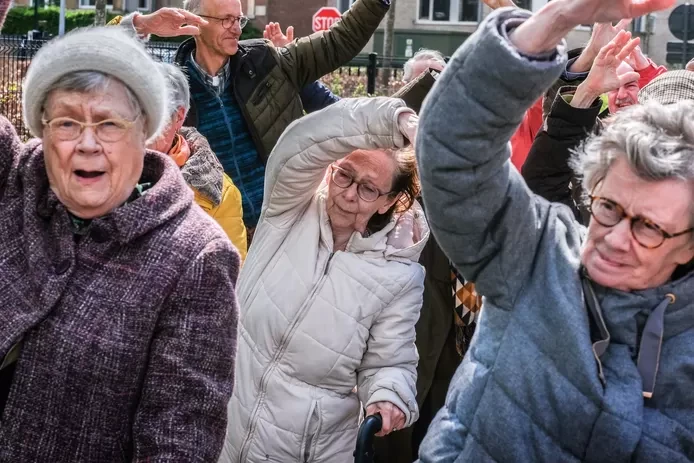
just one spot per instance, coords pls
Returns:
(229, 21)
(69, 129)
(647, 233)
(344, 179)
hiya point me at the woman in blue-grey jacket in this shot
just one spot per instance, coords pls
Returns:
(585, 344)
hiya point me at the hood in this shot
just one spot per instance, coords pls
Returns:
(203, 171)
(626, 312)
(402, 239)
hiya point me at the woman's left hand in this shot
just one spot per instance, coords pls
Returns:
(393, 418)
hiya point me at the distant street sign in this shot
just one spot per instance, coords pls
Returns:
(681, 22)
(677, 54)
(325, 18)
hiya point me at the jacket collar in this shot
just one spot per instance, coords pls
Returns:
(188, 47)
(168, 197)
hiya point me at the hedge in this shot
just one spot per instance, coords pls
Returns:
(20, 20)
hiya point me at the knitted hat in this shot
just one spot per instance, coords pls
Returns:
(670, 87)
(108, 50)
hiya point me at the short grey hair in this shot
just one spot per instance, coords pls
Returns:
(422, 55)
(179, 92)
(194, 6)
(656, 140)
(91, 82)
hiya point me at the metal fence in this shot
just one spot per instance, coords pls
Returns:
(16, 52)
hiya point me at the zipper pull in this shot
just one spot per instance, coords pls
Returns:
(327, 264)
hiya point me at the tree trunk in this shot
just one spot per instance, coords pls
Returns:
(100, 13)
(388, 45)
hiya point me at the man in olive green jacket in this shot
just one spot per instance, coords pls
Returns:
(244, 94)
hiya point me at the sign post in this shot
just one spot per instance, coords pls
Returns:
(681, 24)
(325, 18)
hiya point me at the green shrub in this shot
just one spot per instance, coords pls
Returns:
(20, 20)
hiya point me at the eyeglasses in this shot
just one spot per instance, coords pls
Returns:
(648, 234)
(344, 179)
(108, 130)
(229, 21)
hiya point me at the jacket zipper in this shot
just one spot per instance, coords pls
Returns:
(278, 355)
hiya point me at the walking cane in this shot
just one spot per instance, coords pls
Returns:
(365, 439)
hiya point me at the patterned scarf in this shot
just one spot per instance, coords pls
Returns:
(467, 308)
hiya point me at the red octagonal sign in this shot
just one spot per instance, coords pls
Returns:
(325, 18)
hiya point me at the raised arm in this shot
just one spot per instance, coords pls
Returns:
(309, 58)
(484, 217)
(298, 163)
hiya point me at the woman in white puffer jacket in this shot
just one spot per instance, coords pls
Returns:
(331, 289)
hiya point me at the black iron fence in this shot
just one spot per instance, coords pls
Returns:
(16, 52)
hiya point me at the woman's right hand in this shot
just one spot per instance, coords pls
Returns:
(168, 22)
(393, 418)
(407, 123)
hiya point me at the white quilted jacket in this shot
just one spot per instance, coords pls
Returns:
(316, 323)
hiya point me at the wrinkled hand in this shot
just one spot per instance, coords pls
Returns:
(393, 418)
(494, 4)
(603, 33)
(169, 22)
(407, 123)
(273, 32)
(578, 12)
(603, 76)
(637, 60)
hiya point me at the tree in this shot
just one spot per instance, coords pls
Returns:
(100, 13)
(388, 44)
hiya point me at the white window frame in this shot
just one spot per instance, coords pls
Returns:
(91, 7)
(453, 13)
(148, 8)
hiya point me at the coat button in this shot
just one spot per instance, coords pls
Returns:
(62, 267)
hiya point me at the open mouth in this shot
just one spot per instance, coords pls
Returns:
(89, 174)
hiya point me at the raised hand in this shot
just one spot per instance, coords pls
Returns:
(169, 22)
(393, 418)
(637, 60)
(273, 32)
(603, 76)
(603, 33)
(494, 4)
(606, 11)
(407, 123)
(542, 32)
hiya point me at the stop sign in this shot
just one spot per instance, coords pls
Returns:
(325, 18)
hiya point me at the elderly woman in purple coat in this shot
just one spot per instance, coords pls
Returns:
(117, 306)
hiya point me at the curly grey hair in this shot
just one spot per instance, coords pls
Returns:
(422, 55)
(657, 141)
(179, 92)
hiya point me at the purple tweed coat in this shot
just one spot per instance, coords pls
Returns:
(128, 334)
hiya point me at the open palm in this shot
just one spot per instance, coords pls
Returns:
(603, 76)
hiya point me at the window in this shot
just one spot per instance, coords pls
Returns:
(142, 5)
(449, 10)
(343, 5)
(92, 3)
